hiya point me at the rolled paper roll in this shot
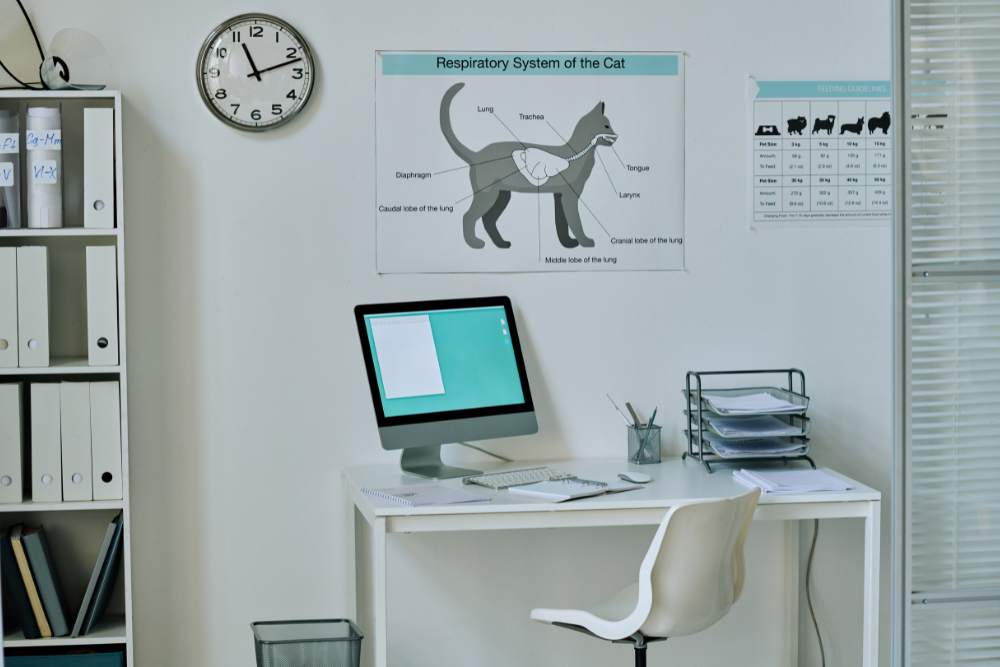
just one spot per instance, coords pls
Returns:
(43, 139)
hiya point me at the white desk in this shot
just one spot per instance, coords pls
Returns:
(674, 482)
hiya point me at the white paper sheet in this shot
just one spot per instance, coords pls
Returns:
(407, 357)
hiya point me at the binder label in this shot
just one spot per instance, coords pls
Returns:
(6, 174)
(44, 172)
(44, 140)
(8, 142)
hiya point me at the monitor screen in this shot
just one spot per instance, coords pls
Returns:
(438, 360)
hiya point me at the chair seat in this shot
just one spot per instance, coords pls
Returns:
(608, 619)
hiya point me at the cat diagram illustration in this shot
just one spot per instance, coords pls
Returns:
(500, 168)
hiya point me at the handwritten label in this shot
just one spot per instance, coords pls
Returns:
(8, 142)
(44, 172)
(44, 140)
(6, 174)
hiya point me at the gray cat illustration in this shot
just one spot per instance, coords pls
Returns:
(510, 166)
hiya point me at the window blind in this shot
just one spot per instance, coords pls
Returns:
(952, 449)
(954, 100)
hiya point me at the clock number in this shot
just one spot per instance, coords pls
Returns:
(256, 31)
(220, 94)
(236, 108)
(214, 72)
(298, 72)
(290, 95)
(221, 52)
(276, 34)
(291, 53)
(275, 109)
(237, 37)
(255, 114)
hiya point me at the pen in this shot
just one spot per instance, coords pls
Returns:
(627, 422)
(645, 438)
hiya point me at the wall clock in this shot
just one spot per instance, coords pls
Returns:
(255, 72)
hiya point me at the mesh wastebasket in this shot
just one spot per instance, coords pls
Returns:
(323, 643)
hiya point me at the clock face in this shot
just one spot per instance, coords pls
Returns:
(255, 72)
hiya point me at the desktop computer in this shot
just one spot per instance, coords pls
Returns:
(442, 372)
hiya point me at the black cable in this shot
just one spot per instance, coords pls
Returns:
(23, 85)
(31, 26)
(809, 564)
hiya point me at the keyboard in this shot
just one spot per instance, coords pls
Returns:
(505, 480)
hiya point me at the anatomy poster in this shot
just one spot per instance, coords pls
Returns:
(502, 162)
(820, 153)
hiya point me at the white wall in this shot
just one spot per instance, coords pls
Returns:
(246, 254)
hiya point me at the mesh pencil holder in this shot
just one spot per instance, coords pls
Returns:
(643, 445)
(324, 643)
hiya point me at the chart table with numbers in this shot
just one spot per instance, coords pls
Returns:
(820, 153)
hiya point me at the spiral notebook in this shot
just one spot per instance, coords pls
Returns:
(417, 495)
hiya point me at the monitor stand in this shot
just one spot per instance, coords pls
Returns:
(426, 462)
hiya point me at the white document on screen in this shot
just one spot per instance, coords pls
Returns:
(407, 357)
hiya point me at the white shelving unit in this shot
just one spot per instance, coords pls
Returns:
(76, 529)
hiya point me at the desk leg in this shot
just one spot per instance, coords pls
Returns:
(381, 598)
(869, 644)
(371, 591)
(350, 560)
(792, 590)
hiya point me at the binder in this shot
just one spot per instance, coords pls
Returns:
(33, 306)
(99, 168)
(46, 457)
(77, 464)
(105, 426)
(8, 307)
(102, 305)
(11, 442)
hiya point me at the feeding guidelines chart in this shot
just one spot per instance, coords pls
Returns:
(820, 153)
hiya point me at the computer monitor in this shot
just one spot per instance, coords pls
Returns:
(442, 372)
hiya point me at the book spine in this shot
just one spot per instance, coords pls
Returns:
(29, 583)
(12, 575)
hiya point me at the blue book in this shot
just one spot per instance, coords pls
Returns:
(106, 581)
(113, 529)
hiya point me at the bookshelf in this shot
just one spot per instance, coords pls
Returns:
(76, 529)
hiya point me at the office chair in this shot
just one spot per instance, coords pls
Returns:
(691, 576)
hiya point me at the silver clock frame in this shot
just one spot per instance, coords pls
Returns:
(206, 50)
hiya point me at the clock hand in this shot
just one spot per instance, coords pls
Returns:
(252, 66)
(287, 62)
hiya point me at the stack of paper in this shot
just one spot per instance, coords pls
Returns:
(752, 427)
(762, 403)
(791, 481)
(728, 449)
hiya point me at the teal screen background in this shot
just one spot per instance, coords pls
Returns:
(478, 366)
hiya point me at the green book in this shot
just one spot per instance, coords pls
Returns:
(49, 589)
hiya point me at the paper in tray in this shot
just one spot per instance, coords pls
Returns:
(800, 402)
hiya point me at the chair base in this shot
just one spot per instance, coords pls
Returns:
(638, 641)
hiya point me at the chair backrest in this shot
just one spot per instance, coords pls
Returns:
(694, 568)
